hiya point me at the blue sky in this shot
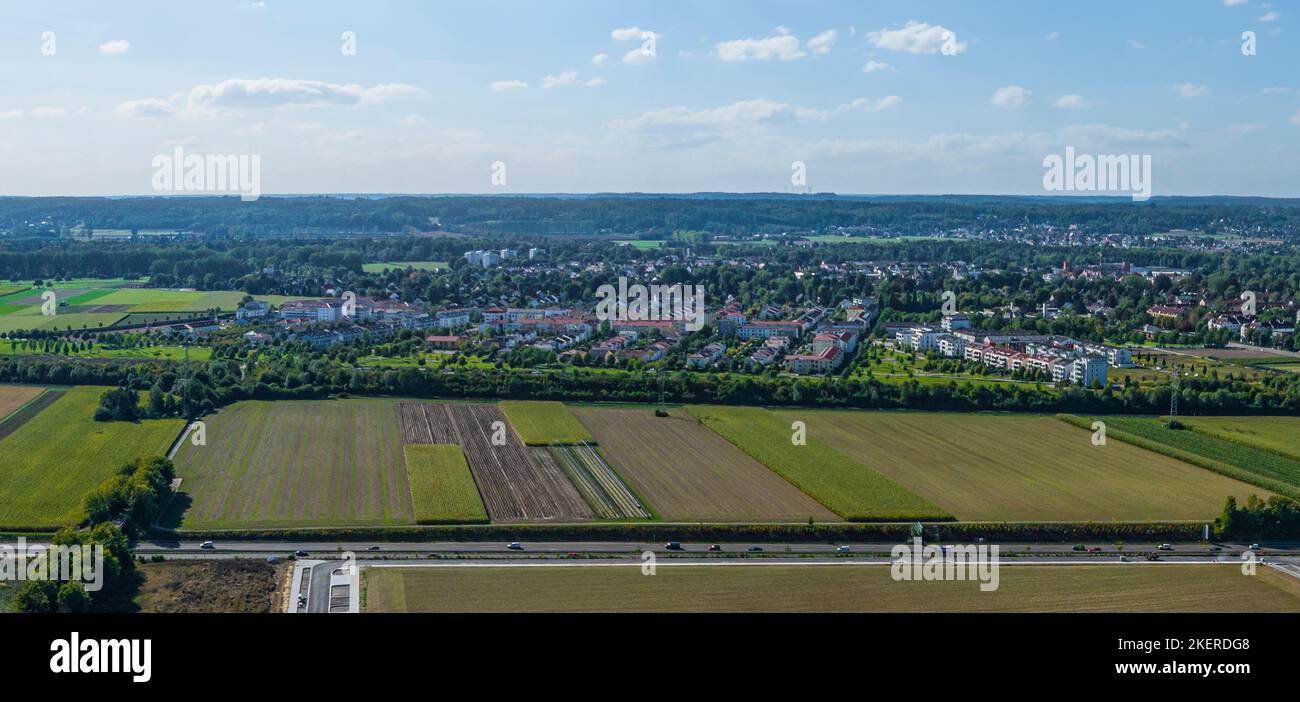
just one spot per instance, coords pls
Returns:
(733, 93)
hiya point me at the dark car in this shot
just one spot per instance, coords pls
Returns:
(373, 548)
(1095, 549)
(1153, 557)
(673, 546)
(715, 547)
(1079, 547)
(754, 549)
(300, 553)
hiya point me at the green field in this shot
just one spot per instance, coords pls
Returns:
(985, 467)
(1277, 434)
(849, 488)
(403, 265)
(642, 244)
(442, 488)
(1260, 467)
(297, 463)
(541, 423)
(826, 588)
(53, 460)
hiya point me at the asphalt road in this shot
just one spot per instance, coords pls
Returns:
(376, 550)
(318, 595)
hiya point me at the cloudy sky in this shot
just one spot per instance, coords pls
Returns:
(662, 96)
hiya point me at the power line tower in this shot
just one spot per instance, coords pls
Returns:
(1173, 399)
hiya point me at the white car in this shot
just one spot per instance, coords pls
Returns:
(207, 544)
(843, 549)
(515, 546)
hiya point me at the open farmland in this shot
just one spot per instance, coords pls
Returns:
(517, 484)
(598, 484)
(985, 467)
(57, 457)
(1277, 434)
(688, 473)
(1260, 467)
(849, 488)
(442, 487)
(297, 463)
(542, 423)
(836, 587)
(14, 396)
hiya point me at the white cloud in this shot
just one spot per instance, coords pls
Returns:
(148, 107)
(804, 114)
(115, 47)
(915, 38)
(782, 46)
(559, 81)
(11, 114)
(599, 59)
(507, 86)
(876, 66)
(1248, 128)
(646, 53)
(570, 78)
(1052, 36)
(639, 56)
(1011, 96)
(1275, 90)
(48, 112)
(1070, 102)
(241, 93)
(1269, 16)
(412, 121)
(1233, 3)
(1189, 90)
(676, 127)
(822, 43)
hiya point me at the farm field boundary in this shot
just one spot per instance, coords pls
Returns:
(850, 489)
(1196, 451)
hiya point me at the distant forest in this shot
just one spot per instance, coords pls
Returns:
(648, 216)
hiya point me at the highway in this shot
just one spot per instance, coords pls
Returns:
(407, 549)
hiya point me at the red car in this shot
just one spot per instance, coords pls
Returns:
(1095, 549)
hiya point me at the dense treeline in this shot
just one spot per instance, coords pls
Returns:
(1274, 519)
(631, 214)
(303, 376)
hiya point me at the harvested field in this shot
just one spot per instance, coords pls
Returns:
(14, 396)
(986, 467)
(688, 473)
(11, 422)
(826, 588)
(297, 463)
(598, 483)
(517, 484)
